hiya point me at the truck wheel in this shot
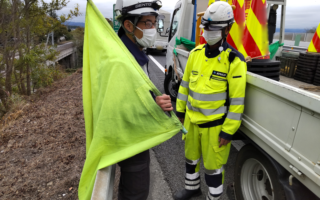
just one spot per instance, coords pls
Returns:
(255, 177)
(170, 87)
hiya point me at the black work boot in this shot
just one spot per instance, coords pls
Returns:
(186, 194)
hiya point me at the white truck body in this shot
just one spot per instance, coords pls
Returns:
(284, 121)
(161, 42)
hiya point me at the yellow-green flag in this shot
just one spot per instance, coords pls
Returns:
(121, 117)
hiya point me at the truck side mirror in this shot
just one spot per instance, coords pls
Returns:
(167, 31)
(160, 26)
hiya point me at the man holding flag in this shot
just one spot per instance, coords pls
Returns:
(123, 110)
(138, 21)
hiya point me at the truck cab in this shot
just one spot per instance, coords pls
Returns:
(161, 42)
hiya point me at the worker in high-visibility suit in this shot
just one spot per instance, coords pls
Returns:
(210, 102)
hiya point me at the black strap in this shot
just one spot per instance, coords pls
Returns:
(213, 123)
(232, 56)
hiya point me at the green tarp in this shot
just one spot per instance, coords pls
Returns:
(185, 42)
(273, 48)
(121, 117)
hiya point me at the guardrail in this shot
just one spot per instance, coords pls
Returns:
(103, 186)
(304, 37)
(294, 48)
(65, 46)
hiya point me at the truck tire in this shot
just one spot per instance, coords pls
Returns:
(170, 87)
(255, 177)
(148, 51)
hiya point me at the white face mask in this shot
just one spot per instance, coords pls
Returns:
(212, 37)
(148, 38)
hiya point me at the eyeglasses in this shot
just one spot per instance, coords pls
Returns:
(149, 24)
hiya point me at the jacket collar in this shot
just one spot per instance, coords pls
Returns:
(139, 55)
(211, 53)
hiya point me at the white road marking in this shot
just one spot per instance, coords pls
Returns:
(157, 63)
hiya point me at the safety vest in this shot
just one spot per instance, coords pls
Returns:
(213, 89)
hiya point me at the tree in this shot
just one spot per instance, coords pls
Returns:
(61, 30)
(23, 23)
(311, 30)
(9, 32)
(78, 39)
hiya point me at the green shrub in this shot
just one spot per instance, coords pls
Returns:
(44, 76)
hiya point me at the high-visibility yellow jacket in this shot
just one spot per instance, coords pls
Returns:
(213, 88)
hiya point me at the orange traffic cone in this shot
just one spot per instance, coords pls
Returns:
(315, 42)
(255, 38)
(236, 33)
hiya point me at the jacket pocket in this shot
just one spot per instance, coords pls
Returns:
(193, 81)
(193, 77)
(216, 84)
(222, 153)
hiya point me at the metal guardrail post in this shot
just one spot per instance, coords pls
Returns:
(103, 186)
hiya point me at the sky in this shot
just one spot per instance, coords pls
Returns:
(300, 14)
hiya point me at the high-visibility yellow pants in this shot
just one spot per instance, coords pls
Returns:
(205, 142)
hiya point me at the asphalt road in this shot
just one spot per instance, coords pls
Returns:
(170, 154)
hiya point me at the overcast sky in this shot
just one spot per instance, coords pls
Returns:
(301, 14)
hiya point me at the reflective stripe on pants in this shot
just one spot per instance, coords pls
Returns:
(204, 142)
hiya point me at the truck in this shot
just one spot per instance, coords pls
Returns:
(161, 42)
(280, 133)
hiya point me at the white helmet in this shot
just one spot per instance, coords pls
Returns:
(217, 16)
(126, 8)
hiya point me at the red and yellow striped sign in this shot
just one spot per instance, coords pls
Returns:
(247, 7)
(315, 42)
(236, 33)
(255, 38)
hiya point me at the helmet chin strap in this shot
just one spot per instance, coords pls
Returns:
(224, 36)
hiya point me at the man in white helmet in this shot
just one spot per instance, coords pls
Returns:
(210, 102)
(138, 21)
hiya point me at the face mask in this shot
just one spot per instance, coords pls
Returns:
(212, 37)
(148, 38)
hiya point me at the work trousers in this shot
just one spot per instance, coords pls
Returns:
(135, 177)
(205, 142)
